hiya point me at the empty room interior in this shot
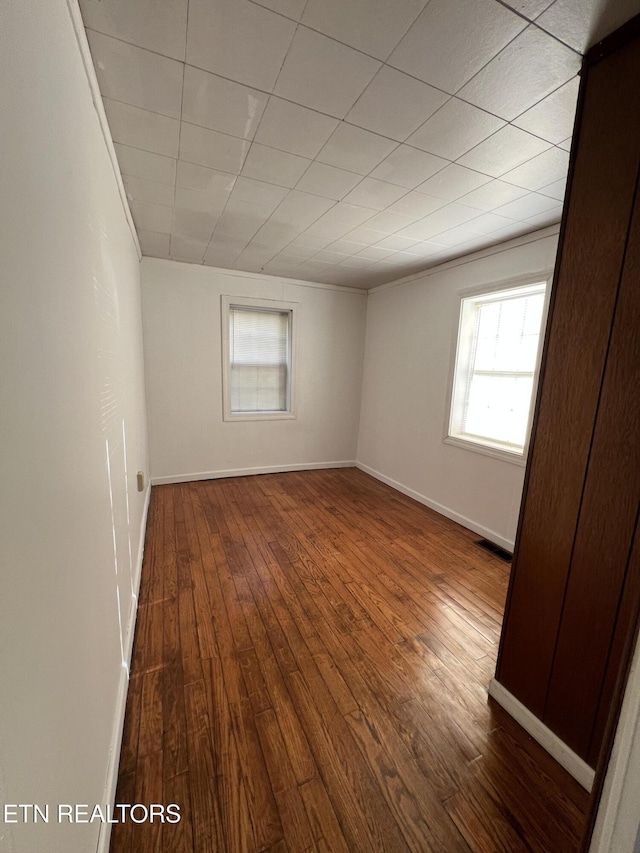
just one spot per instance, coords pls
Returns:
(319, 416)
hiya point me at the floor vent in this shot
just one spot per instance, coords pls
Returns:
(495, 549)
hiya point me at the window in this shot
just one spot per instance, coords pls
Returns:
(257, 357)
(496, 368)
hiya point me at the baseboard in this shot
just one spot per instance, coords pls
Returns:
(109, 797)
(247, 472)
(469, 523)
(547, 739)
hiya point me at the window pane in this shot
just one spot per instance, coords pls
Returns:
(259, 359)
(498, 408)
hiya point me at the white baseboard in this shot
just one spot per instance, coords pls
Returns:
(469, 523)
(557, 748)
(245, 472)
(109, 797)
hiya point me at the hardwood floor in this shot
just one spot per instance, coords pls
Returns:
(310, 673)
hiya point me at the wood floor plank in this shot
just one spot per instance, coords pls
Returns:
(310, 673)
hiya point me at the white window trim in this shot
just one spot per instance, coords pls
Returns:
(227, 302)
(484, 446)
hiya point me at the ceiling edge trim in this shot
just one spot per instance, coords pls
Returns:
(87, 62)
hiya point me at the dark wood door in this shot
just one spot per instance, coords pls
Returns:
(568, 606)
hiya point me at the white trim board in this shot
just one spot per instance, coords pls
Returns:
(469, 523)
(89, 69)
(109, 797)
(248, 472)
(556, 748)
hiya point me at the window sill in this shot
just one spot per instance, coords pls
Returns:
(514, 458)
(259, 416)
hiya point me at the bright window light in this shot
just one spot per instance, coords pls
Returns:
(496, 366)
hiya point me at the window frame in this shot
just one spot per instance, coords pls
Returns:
(292, 309)
(458, 372)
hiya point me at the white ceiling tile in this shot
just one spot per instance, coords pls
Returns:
(566, 143)
(301, 209)
(142, 129)
(547, 217)
(540, 171)
(556, 190)
(201, 178)
(506, 149)
(452, 182)
(264, 196)
(240, 220)
(397, 243)
(153, 244)
(210, 148)
(151, 217)
(532, 66)
(452, 39)
(408, 167)
(223, 255)
(346, 247)
(441, 220)
(339, 220)
(373, 26)
(219, 104)
(365, 236)
(455, 129)
(376, 194)
(312, 269)
(355, 149)
(457, 236)
(394, 104)
(326, 256)
(416, 205)
(375, 253)
(388, 221)
(529, 205)
(323, 74)
(136, 76)
(294, 129)
(492, 195)
(143, 164)
(328, 181)
(161, 27)
(141, 189)
(553, 117)
(529, 8)
(202, 201)
(487, 223)
(289, 8)
(239, 40)
(310, 242)
(274, 167)
(187, 249)
(193, 224)
(572, 21)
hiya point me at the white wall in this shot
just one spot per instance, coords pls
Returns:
(71, 391)
(182, 341)
(410, 345)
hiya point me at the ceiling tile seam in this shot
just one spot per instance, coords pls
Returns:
(134, 44)
(542, 100)
(424, 6)
(522, 14)
(175, 183)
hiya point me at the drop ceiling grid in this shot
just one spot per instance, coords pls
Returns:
(332, 155)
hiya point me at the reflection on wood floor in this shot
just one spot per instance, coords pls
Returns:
(310, 673)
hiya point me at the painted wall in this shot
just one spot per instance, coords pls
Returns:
(188, 438)
(72, 421)
(410, 347)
